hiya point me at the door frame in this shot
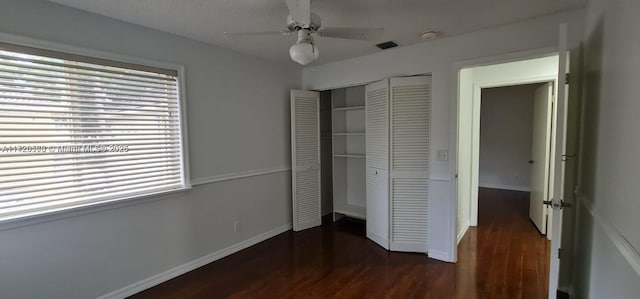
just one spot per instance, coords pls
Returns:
(454, 125)
(475, 144)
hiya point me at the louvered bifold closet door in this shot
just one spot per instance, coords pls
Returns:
(377, 145)
(305, 155)
(409, 160)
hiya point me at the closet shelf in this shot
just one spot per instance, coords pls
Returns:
(350, 155)
(348, 108)
(349, 134)
(351, 211)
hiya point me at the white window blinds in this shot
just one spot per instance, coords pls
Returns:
(76, 130)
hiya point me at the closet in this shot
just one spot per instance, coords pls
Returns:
(348, 152)
(377, 137)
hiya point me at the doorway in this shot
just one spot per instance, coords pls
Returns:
(515, 147)
(514, 210)
(473, 81)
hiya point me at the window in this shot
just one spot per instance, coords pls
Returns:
(76, 130)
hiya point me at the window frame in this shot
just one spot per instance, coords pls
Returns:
(98, 206)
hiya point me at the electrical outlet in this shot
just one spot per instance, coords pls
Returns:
(443, 155)
(236, 226)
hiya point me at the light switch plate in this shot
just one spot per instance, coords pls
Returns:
(443, 155)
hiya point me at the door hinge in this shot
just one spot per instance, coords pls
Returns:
(559, 253)
(566, 78)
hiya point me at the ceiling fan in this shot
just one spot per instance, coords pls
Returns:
(305, 23)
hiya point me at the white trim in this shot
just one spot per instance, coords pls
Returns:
(465, 228)
(440, 255)
(475, 144)
(192, 265)
(184, 131)
(237, 175)
(89, 208)
(75, 211)
(505, 187)
(453, 121)
(623, 245)
(514, 82)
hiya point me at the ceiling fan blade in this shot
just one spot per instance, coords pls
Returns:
(351, 33)
(300, 10)
(259, 33)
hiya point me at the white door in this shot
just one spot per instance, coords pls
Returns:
(540, 155)
(409, 118)
(377, 147)
(305, 159)
(558, 163)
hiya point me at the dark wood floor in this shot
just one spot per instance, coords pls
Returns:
(505, 257)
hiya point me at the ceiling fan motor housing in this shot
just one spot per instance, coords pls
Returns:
(294, 25)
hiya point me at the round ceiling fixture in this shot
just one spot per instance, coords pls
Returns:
(429, 35)
(304, 51)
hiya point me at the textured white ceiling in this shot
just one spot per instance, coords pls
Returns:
(403, 20)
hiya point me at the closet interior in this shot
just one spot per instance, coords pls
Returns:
(363, 152)
(348, 152)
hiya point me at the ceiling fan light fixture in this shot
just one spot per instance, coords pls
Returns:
(304, 22)
(304, 51)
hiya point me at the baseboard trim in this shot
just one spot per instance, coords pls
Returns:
(617, 238)
(465, 228)
(192, 265)
(440, 255)
(505, 187)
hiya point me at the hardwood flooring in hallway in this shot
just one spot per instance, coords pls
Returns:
(504, 257)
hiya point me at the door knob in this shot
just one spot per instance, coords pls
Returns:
(557, 204)
(530, 161)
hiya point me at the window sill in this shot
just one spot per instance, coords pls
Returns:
(88, 208)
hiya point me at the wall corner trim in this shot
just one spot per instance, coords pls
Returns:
(627, 250)
(192, 265)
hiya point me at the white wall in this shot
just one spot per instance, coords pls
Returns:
(438, 58)
(506, 133)
(608, 263)
(238, 108)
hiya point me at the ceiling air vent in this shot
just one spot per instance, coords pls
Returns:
(387, 45)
